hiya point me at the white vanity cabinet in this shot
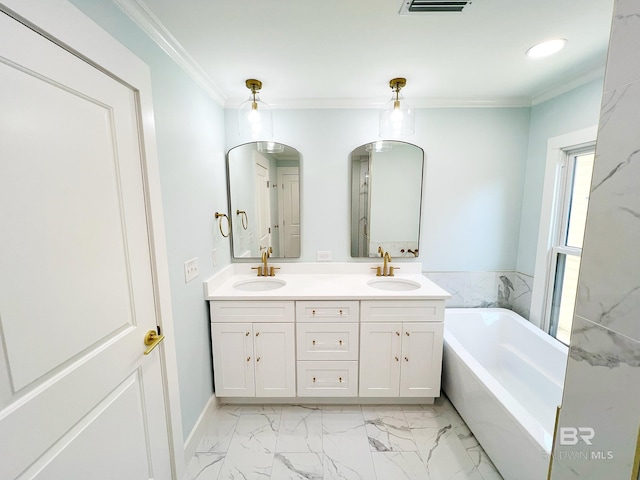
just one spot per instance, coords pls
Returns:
(327, 347)
(253, 348)
(401, 348)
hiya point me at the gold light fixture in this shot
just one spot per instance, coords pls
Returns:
(254, 116)
(397, 117)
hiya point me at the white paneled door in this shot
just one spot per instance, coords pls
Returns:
(78, 399)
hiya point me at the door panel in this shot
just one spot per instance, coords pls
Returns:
(275, 359)
(233, 358)
(289, 178)
(263, 200)
(379, 359)
(76, 286)
(421, 359)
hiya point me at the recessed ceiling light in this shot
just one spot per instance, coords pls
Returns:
(547, 48)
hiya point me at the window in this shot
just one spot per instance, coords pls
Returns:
(572, 197)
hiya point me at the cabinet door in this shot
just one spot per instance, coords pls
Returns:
(421, 359)
(275, 359)
(380, 345)
(233, 360)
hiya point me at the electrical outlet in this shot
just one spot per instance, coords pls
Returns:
(214, 256)
(191, 270)
(323, 256)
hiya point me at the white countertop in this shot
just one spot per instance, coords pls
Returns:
(322, 281)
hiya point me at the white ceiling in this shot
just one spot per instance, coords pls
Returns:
(344, 52)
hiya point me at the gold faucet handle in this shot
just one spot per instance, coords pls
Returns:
(381, 251)
(259, 270)
(378, 270)
(392, 269)
(272, 271)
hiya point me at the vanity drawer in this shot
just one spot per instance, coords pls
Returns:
(327, 379)
(250, 311)
(402, 311)
(327, 341)
(335, 311)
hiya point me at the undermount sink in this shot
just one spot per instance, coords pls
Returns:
(393, 284)
(259, 284)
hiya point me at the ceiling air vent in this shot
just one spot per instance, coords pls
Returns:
(411, 7)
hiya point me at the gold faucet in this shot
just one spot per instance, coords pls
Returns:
(264, 270)
(386, 270)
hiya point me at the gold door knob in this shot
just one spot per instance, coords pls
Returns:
(258, 359)
(247, 334)
(257, 334)
(248, 359)
(398, 333)
(406, 333)
(406, 359)
(397, 359)
(152, 340)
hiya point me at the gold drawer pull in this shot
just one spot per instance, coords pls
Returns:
(314, 379)
(313, 342)
(340, 379)
(340, 312)
(340, 342)
(313, 312)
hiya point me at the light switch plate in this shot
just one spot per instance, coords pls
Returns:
(191, 270)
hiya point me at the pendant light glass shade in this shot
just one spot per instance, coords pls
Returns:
(397, 117)
(254, 116)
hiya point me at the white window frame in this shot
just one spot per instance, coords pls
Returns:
(552, 211)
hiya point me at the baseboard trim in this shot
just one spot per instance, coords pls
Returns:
(192, 441)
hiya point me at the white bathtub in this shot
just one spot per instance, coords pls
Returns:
(505, 378)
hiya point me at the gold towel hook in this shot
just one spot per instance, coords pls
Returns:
(244, 218)
(219, 215)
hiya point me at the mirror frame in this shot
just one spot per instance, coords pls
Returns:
(230, 206)
(351, 193)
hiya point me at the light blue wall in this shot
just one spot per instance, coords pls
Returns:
(574, 110)
(190, 139)
(474, 177)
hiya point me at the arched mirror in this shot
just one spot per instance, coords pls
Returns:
(386, 195)
(264, 199)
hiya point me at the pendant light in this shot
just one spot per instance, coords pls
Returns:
(397, 117)
(254, 116)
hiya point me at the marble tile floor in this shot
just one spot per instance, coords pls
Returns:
(331, 442)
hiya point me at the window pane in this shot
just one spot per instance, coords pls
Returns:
(579, 199)
(564, 296)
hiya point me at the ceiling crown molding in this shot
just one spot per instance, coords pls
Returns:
(580, 79)
(140, 13)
